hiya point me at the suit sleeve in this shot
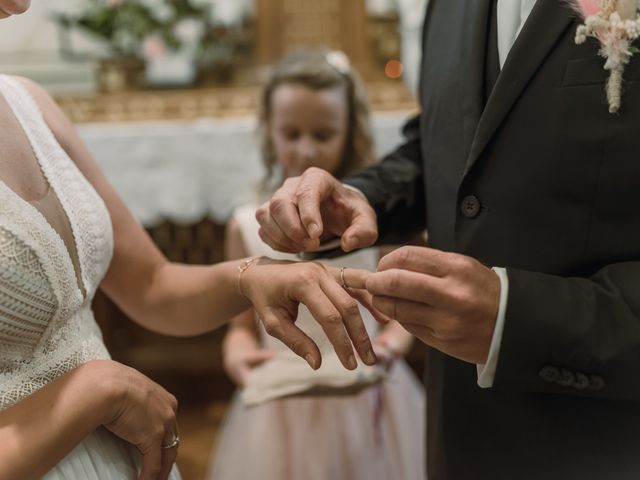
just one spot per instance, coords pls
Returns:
(395, 186)
(573, 335)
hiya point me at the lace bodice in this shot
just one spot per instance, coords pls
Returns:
(46, 323)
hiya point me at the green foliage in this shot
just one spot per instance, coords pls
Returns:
(124, 25)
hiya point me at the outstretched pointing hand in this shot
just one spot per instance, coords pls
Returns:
(313, 208)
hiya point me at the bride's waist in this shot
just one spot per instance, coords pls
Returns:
(62, 349)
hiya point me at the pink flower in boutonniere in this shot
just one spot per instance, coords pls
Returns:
(615, 24)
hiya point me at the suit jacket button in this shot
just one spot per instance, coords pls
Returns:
(596, 383)
(567, 378)
(582, 381)
(470, 206)
(549, 374)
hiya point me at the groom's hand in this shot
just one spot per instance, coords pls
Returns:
(447, 300)
(313, 208)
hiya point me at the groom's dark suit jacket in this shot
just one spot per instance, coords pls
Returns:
(544, 181)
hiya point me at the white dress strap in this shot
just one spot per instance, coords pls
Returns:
(87, 213)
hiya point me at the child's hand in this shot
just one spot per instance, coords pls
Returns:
(239, 362)
(385, 353)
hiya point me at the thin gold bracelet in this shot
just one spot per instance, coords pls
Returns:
(243, 268)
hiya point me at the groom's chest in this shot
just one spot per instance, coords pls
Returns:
(552, 167)
(563, 100)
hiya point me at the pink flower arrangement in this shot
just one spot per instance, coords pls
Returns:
(615, 24)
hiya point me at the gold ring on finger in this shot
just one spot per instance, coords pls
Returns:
(175, 441)
(344, 282)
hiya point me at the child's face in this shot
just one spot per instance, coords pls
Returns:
(308, 127)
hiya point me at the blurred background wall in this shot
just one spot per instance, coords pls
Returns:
(35, 45)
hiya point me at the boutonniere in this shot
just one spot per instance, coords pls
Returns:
(615, 24)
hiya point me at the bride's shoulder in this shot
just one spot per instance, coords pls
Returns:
(39, 94)
(53, 116)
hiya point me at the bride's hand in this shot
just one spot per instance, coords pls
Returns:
(144, 414)
(277, 288)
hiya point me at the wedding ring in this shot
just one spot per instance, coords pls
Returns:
(344, 282)
(173, 443)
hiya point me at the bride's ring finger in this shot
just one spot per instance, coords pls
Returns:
(169, 453)
(342, 279)
(173, 442)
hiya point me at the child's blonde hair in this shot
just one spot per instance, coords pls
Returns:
(318, 70)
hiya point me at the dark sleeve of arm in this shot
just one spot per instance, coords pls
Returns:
(395, 186)
(573, 335)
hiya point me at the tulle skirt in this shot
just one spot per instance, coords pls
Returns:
(101, 456)
(377, 434)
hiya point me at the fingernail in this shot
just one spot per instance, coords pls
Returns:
(310, 361)
(313, 228)
(352, 362)
(371, 357)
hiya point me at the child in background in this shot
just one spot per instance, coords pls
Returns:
(291, 422)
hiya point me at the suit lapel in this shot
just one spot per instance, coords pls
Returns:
(546, 24)
(476, 20)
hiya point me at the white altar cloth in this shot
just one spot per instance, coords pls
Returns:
(188, 170)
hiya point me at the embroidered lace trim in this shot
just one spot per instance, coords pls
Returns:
(27, 302)
(46, 326)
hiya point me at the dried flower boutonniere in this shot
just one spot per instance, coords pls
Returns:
(615, 24)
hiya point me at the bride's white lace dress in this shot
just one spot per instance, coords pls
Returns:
(53, 255)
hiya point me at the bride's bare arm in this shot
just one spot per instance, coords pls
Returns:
(183, 300)
(39, 431)
(241, 349)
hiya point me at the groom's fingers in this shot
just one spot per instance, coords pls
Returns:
(314, 187)
(299, 342)
(272, 234)
(412, 286)
(420, 259)
(366, 300)
(408, 312)
(283, 210)
(280, 219)
(279, 244)
(363, 231)
(355, 280)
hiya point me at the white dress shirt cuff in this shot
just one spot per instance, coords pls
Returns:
(487, 372)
